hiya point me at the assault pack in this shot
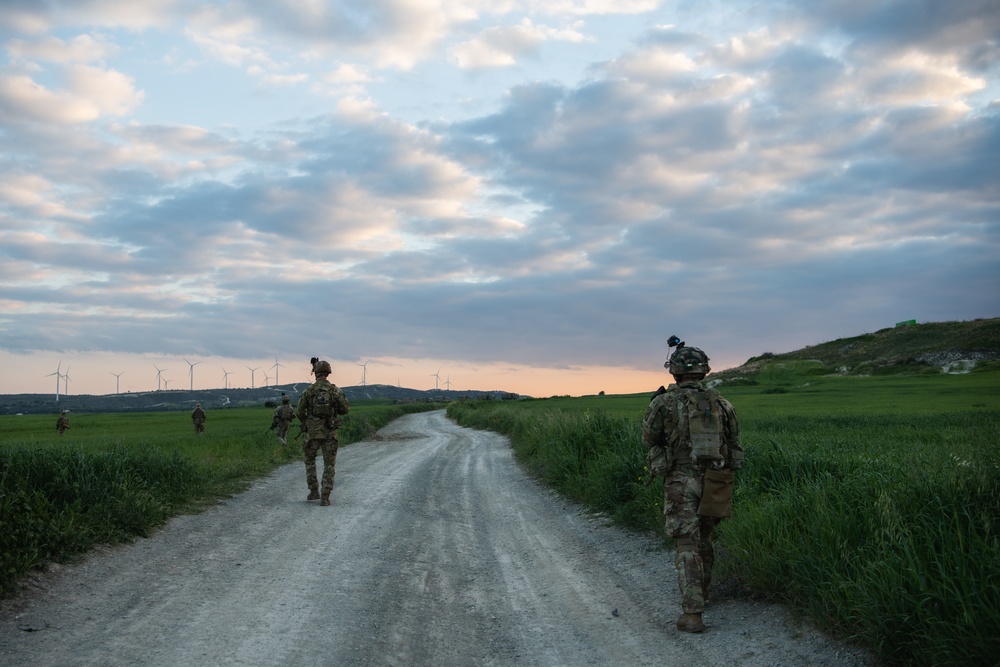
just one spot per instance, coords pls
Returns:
(322, 404)
(699, 417)
(704, 423)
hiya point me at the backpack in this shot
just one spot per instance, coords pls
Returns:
(704, 424)
(322, 403)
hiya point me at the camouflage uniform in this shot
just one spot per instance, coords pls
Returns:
(318, 408)
(62, 423)
(283, 416)
(198, 417)
(665, 426)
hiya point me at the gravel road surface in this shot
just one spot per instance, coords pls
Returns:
(438, 550)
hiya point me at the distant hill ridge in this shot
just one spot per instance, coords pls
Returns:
(211, 399)
(930, 347)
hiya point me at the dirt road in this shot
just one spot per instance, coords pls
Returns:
(438, 550)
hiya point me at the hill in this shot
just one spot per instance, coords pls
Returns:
(213, 399)
(932, 347)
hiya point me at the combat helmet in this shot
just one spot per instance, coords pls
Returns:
(322, 367)
(686, 360)
(284, 398)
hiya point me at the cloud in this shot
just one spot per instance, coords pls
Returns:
(80, 49)
(89, 93)
(502, 46)
(29, 16)
(966, 31)
(756, 180)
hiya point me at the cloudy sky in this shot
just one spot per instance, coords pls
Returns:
(529, 195)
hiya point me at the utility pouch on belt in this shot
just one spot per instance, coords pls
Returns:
(717, 494)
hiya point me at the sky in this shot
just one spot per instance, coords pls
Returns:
(523, 195)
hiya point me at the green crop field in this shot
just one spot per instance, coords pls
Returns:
(112, 477)
(870, 504)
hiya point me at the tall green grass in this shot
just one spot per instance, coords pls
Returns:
(113, 477)
(883, 527)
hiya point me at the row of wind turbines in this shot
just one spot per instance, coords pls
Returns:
(436, 376)
(163, 383)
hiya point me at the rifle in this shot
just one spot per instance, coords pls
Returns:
(274, 424)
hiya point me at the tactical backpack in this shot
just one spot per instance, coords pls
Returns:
(322, 403)
(704, 425)
(699, 417)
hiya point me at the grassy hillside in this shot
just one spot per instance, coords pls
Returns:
(932, 347)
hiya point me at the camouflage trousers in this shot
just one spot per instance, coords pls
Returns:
(199, 426)
(328, 445)
(281, 430)
(695, 553)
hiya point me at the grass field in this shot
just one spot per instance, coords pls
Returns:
(112, 477)
(870, 504)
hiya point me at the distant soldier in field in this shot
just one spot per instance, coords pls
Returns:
(62, 423)
(319, 409)
(283, 416)
(694, 441)
(198, 417)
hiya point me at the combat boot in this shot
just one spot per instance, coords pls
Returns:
(325, 501)
(313, 494)
(690, 623)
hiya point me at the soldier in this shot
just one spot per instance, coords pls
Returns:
(694, 441)
(62, 423)
(319, 408)
(198, 417)
(283, 416)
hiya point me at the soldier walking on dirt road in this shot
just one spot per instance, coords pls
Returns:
(694, 441)
(319, 408)
(283, 416)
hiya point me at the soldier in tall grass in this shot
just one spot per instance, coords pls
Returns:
(198, 417)
(694, 442)
(319, 408)
(62, 423)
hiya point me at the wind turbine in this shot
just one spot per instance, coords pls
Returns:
(251, 376)
(58, 375)
(225, 377)
(191, 373)
(447, 383)
(364, 373)
(159, 373)
(166, 384)
(276, 366)
(117, 379)
(267, 378)
(436, 376)
(66, 377)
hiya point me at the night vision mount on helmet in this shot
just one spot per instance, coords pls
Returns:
(321, 366)
(686, 360)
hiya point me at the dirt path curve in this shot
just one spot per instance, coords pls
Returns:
(438, 550)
